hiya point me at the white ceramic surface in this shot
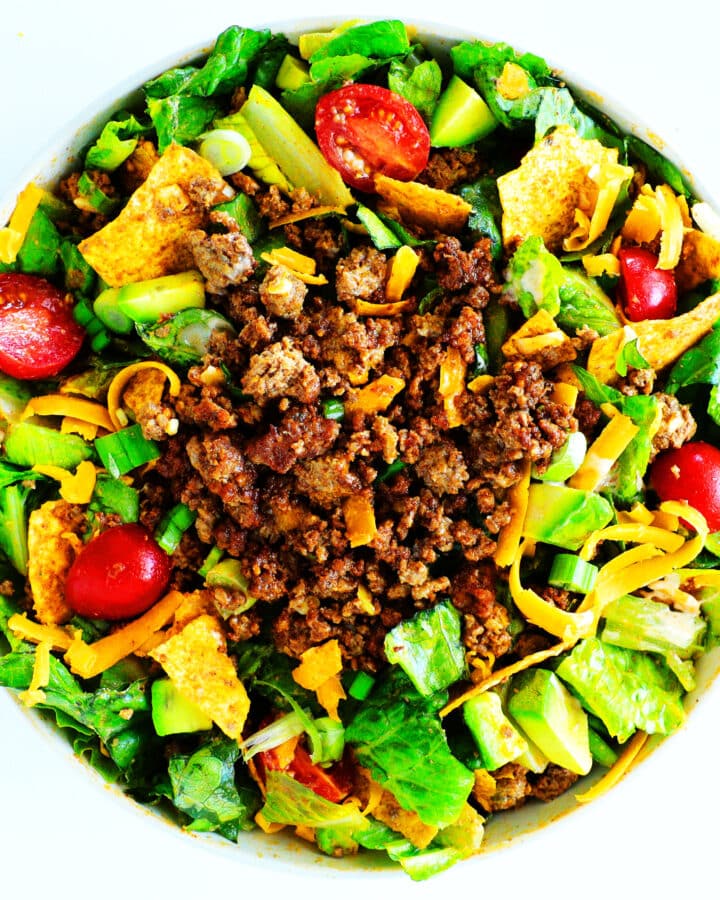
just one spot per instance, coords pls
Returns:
(62, 833)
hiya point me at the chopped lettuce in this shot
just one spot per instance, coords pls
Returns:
(379, 40)
(116, 142)
(397, 735)
(660, 169)
(583, 302)
(40, 251)
(486, 214)
(419, 82)
(625, 689)
(292, 803)
(428, 647)
(700, 366)
(205, 787)
(180, 118)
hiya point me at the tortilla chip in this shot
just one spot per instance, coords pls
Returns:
(540, 196)
(318, 664)
(660, 341)
(147, 239)
(426, 207)
(197, 663)
(53, 543)
(540, 339)
(699, 260)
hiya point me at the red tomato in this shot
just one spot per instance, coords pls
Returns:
(38, 334)
(118, 574)
(691, 473)
(333, 784)
(364, 130)
(645, 291)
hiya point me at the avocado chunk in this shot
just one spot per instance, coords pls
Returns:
(564, 516)
(27, 444)
(461, 116)
(552, 718)
(147, 301)
(105, 307)
(532, 758)
(174, 714)
(496, 738)
(292, 74)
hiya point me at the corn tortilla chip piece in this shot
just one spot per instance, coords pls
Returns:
(660, 341)
(197, 663)
(53, 543)
(540, 196)
(540, 339)
(147, 239)
(699, 260)
(428, 208)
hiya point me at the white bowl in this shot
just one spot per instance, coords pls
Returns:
(87, 831)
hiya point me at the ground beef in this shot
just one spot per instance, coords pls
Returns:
(282, 292)
(458, 268)
(281, 371)
(442, 467)
(227, 473)
(361, 275)
(449, 167)
(552, 782)
(224, 260)
(677, 425)
(301, 434)
(327, 480)
(511, 788)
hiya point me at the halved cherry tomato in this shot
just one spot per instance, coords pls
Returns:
(645, 291)
(365, 129)
(118, 574)
(690, 473)
(333, 784)
(38, 334)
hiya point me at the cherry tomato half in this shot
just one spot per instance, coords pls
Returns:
(118, 574)
(690, 473)
(38, 334)
(333, 784)
(364, 130)
(645, 291)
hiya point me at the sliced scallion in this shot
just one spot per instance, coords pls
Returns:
(125, 450)
(225, 149)
(283, 729)
(361, 686)
(173, 526)
(212, 559)
(572, 573)
(332, 408)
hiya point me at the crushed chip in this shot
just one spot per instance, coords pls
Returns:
(553, 181)
(417, 204)
(147, 239)
(52, 547)
(660, 341)
(699, 260)
(197, 663)
(541, 339)
(318, 664)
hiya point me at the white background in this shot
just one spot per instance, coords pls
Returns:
(61, 834)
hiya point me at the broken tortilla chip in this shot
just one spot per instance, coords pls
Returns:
(197, 663)
(541, 196)
(423, 206)
(540, 339)
(147, 239)
(660, 341)
(699, 260)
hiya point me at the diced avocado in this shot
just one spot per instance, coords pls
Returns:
(496, 738)
(27, 444)
(174, 714)
(533, 758)
(297, 156)
(292, 74)
(461, 116)
(14, 397)
(566, 460)
(147, 301)
(105, 307)
(552, 718)
(564, 516)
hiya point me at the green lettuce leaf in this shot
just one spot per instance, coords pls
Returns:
(204, 786)
(583, 302)
(378, 40)
(419, 82)
(117, 141)
(180, 118)
(40, 251)
(397, 735)
(288, 801)
(533, 279)
(428, 648)
(625, 689)
(660, 168)
(486, 214)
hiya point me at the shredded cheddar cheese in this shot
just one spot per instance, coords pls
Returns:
(618, 770)
(376, 396)
(13, 236)
(359, 517)
(123, 378)
(40, 676)
(508, 544)
(75, 488)
(402, 269)
(603, 453)
(303, 267)
(75, 407)
(609, 177)
(452, 384)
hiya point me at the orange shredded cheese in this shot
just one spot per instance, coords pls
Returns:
(376, 396)
(313, 213)
(673, 230)
(57, 637)
(40, 676)
(643, 221)
(268, 827)
(401, 272)
(513, 82)
(359, 515)
(503, 674)
(481, 384)
(75, 488)
(302, 266)
(453, 369)
(88, 660)
(329, 695)
(366, 308)
(609, 177)
(75, 407)
(509, 538)
(364, 600)
(86, 430)
(618, 770)
(603, 453)
(565, 393)
(601, 264)
(123, 378)
(13, 236)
